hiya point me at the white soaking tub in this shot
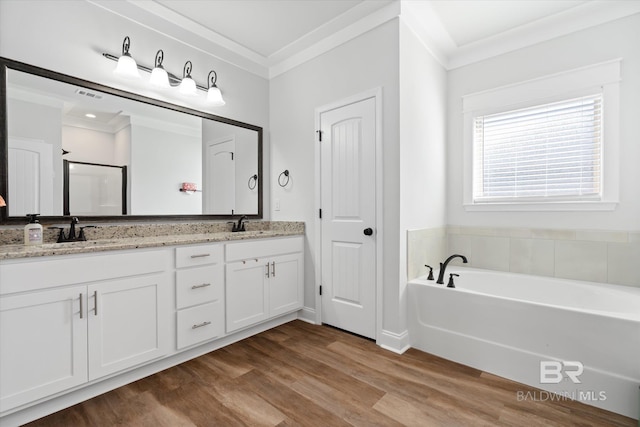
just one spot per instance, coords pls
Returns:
(511, 324)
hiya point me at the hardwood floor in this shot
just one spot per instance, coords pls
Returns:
(305, 375)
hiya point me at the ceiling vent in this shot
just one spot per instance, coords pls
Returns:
(88, 94)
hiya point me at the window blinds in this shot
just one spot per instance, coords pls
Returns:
(548, 152)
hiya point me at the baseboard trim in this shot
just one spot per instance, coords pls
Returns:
(397, 343)
(307, 315)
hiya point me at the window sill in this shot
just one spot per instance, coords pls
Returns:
(540, 207)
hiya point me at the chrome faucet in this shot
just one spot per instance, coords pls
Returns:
(443, 267)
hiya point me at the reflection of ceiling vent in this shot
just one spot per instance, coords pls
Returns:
(88, 94)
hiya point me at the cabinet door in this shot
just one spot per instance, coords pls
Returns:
(246, 293)
(43, 344)
(128, 322)
(286, 284)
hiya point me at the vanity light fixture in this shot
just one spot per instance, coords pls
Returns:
(187, 85)
(159, 76)
(127, 66)
(214, 96)
(2, 202)
(162, 79)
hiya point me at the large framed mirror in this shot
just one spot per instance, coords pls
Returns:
(179, 163)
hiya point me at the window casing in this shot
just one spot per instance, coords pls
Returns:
(494, 177)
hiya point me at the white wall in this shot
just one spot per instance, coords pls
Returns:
(87, 145)
(70, 36)
(423, 85)
(617, 39)
(161, 160)
(366, 62)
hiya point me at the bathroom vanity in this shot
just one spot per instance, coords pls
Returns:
(103, 314)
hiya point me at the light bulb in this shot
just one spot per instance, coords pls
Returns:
(188, 87)
(127, 66)
(159, 78)
(214, 96)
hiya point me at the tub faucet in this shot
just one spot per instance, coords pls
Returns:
(443, 267)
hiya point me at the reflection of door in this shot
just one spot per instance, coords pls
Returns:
(220, 182)
(348, 190)
(30, 177)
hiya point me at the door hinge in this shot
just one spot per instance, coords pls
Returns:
(321, 290)
(319, 132)
(320, 213)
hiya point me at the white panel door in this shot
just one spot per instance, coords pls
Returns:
(220, 181)
(348, 190)
(30, 177)
(43, 344)
(128, 323)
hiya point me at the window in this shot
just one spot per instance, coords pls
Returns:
(550, 151)
(547, 144)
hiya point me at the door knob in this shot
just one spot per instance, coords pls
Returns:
(368, 231)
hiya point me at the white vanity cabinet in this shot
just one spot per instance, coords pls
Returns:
(72, 319)
(264, 280)
(199, 294)
(74, 326)
(43, 345)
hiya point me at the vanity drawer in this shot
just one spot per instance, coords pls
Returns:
(202, 323)
(263, 248)
(199, 285)
(190, 256)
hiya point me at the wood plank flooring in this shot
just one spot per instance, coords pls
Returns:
(305, 375)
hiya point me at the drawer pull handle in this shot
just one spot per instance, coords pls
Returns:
(273, 269)
(200, 255)
(204, 285)
(267, 265)
(81, 310)
(95, 297)
(200, 325)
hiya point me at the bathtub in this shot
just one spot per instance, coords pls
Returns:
(545, 332)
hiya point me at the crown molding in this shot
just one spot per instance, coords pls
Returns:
(419, 16)
(336, 37)
(170, 24)
(434, 36)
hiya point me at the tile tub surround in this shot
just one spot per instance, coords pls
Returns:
(425, 246)
(590, 255)
(131, 236)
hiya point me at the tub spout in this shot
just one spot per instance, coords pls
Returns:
(443, 267)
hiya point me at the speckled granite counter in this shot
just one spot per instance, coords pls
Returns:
(120, 237)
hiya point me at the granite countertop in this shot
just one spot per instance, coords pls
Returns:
(13, 251)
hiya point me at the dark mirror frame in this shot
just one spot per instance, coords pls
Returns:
(42, 72)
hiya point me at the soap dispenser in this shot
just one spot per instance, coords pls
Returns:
(33, 231)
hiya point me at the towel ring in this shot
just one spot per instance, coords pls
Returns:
(252, 180)
(286, 176)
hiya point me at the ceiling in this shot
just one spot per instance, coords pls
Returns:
(268, 37)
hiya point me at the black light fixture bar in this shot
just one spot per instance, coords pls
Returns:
(173, 80)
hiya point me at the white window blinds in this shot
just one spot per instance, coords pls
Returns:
(550, 152)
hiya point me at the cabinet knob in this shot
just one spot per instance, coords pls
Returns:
(368, 231)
